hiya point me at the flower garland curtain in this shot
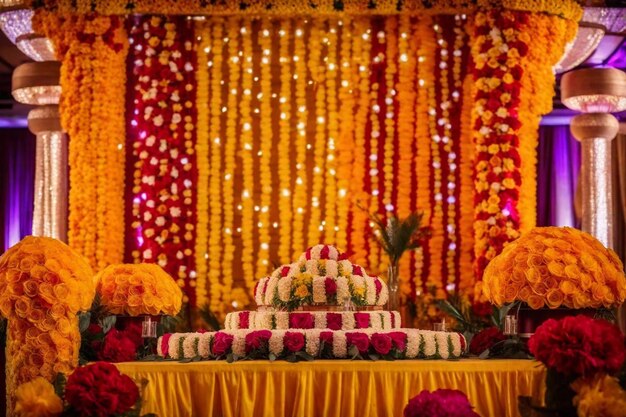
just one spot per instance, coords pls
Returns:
(298, 143)
(288, 131)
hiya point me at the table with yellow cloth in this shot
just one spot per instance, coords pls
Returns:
(329, 388)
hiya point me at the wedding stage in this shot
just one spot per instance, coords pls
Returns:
(329, 387)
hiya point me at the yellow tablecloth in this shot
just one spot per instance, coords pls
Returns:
(329, 388)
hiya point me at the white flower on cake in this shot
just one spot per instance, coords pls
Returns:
(322, 276)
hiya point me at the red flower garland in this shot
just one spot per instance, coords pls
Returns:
(162, 138)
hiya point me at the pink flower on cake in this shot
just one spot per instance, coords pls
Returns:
(362, 320)
(284, 271)
(399, 340)
(256, 339)
(222, 342)
(357, 270)
(379, 286)
(326, 337)
(334, 321)
(330, 286)
(301, 321)
(294, 342)
(381, 343)
(244, 320)
(165, 344)
(359, 340)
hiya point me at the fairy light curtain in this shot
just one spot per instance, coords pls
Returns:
(299, 129)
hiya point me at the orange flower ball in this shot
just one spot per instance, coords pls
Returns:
(41, 276)
(136, 289)
(556, 266)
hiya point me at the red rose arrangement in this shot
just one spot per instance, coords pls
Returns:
(118, 346)
(439, 403)
(485, 339)
(578, 352)
(579, 346)
(222, 343)
(100, 390)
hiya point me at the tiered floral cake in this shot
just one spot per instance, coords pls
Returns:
(321, 306)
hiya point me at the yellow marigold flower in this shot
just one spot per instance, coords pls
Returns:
(600, 396)
(37, 399)
(301, 291)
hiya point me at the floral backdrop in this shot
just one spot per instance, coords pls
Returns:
(249, 139)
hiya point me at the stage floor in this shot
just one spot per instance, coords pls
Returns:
(329, 388)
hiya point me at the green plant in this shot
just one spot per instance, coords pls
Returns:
(397, 236)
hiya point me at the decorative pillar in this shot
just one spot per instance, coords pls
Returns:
(595, 132)
(50, 208)
(596, 92)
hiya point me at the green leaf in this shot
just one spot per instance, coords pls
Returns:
(59, 384)
(107, 323)
(484, 354)
(353, 351)
(84, 319)
(230, 358)
(186, 360)
(271, 357)
(291, 358)
(374, 356)
(305, 356)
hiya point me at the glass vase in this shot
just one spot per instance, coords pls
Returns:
(392, 285)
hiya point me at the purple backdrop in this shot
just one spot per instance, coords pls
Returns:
(17, 176)
(557, 176)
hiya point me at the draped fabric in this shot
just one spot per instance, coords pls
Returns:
(17, 173)
(557, 177)
(329, 388)
(619, 195)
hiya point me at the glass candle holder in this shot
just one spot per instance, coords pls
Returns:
(148, 328)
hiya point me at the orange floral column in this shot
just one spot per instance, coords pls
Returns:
(92, 50)
(43, 285)
(514, 85)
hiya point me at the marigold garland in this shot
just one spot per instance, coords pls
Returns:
(203, 152)
(359, 224)
(332, 123)
(265, 149)
(318, 78)
(230, 144)
(245, 154)
(346, 131)
(217, 36)
(285, 141)
(93, 76)
(407, 74)
(43, 285)
(568, 9)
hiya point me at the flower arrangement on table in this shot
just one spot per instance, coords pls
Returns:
(43, 286)
(439, 403)
(128, 290)
(322, 275)
(311, 344)
(583, 357)
(554, 267)
(98, 389)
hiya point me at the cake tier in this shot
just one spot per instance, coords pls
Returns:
(333, 320)
(326, 344)
(321, 275)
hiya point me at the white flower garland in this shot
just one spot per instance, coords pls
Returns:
(319, 290)
(340, 344)
(284, 289)
(312, 342)
(430, 345)
(204, 345)
(412, 343)
(189, 349)
(276, 342)
(370, 291)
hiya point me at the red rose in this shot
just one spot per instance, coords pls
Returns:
(357, 270)
(132, 330)
(439, 403)
(325, 252)
(94, 329)
(334, 321)
(579, 346)
(326, 337)
(379, 286)
(362, 320)
(360, 340)
(284, 271)
(244, 319)
(301, 321)
(330, 286)
(485, 339)
(399, 340)
(222, 343)
(381, 343)
(117, 347)
(256, 339)
(165, 344)
(293, 341)
(100, 390)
